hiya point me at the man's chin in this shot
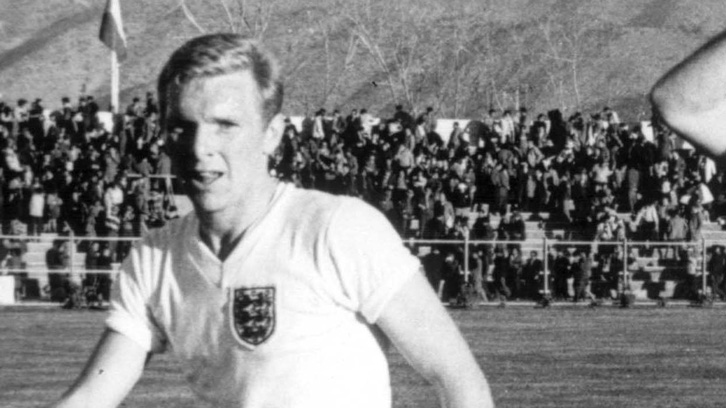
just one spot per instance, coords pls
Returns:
(205, 203)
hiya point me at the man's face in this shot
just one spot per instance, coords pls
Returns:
(222, 141)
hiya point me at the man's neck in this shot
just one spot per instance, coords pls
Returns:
(222, 231)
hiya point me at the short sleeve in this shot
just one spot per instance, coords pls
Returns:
(369, 257)
(130, 314)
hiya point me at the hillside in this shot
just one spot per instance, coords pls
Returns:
(461, 56)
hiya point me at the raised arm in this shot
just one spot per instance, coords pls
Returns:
(114, 367)
(424, 333)
(691, 98)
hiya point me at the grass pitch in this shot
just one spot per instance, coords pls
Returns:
(559, 357)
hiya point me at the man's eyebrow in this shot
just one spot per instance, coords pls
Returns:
(223, 120)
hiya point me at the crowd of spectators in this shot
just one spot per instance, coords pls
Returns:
(584, 171)
(65, 172)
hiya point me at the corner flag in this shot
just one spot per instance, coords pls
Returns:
(112, 29)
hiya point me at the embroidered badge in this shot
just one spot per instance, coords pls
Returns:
(253, 314)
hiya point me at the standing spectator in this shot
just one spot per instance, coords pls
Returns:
(156, 216)
(105, 263)
(433, 264)
(58, 259)
(429, 120)
(112, 225)
(90, 113)
(151, 107)
(500, 181)
(367, 121)
(514, 273)
(461, 200)
(717, 270)
(637, 162)
(35, 123)
(561, 272)
(583, 272)
(693, 284)
(677, 230)
(135, 110)
(478, 266)
(6, 120)
(22, 114)
(113, 197)
(696, 218)
(318, 126)
(53, 205)
(91, 263)
(499, 275)
(507, 124)
(111, 162)
(517, 230)
(453, 278)
(456, 137)
(36, 209)
(537, 194)
(564, 201)
(646, 222)
(531, 271)
(403, 117)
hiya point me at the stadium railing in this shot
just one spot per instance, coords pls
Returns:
(632, 260)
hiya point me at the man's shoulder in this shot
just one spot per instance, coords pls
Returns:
(313, 204)
(311, 209)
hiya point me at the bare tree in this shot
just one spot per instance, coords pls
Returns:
(190, 16)
(372, 44)
(336, 65)
(238, 16)
(569, 45)
(398, 45)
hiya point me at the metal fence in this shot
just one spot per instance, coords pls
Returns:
(629, 249)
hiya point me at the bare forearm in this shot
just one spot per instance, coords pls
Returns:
(697, 83)
(691, 97)
(434, 346)
(470, 392)
(111, 372)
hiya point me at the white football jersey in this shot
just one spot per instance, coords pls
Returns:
(287, 320)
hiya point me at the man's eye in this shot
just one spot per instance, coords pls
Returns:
(225, 125)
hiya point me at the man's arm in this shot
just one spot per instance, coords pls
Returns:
(424, 333)
(691, 97)
(113, 369)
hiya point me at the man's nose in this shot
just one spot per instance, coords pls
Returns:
(201, 141)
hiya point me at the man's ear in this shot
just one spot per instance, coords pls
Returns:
(273, 134)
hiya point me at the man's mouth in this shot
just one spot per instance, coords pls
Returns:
(204, 177)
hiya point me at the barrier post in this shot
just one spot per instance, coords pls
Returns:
(466, 255)
(624, 272)
(545, 272)
(72, 251)
(704, 264)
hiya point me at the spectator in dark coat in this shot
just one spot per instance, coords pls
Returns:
(561, 272)
(717, 269)
(531, 276)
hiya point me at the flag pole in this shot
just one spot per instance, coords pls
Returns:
(114, 82)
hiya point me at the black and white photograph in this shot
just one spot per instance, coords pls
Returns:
(362, 203)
